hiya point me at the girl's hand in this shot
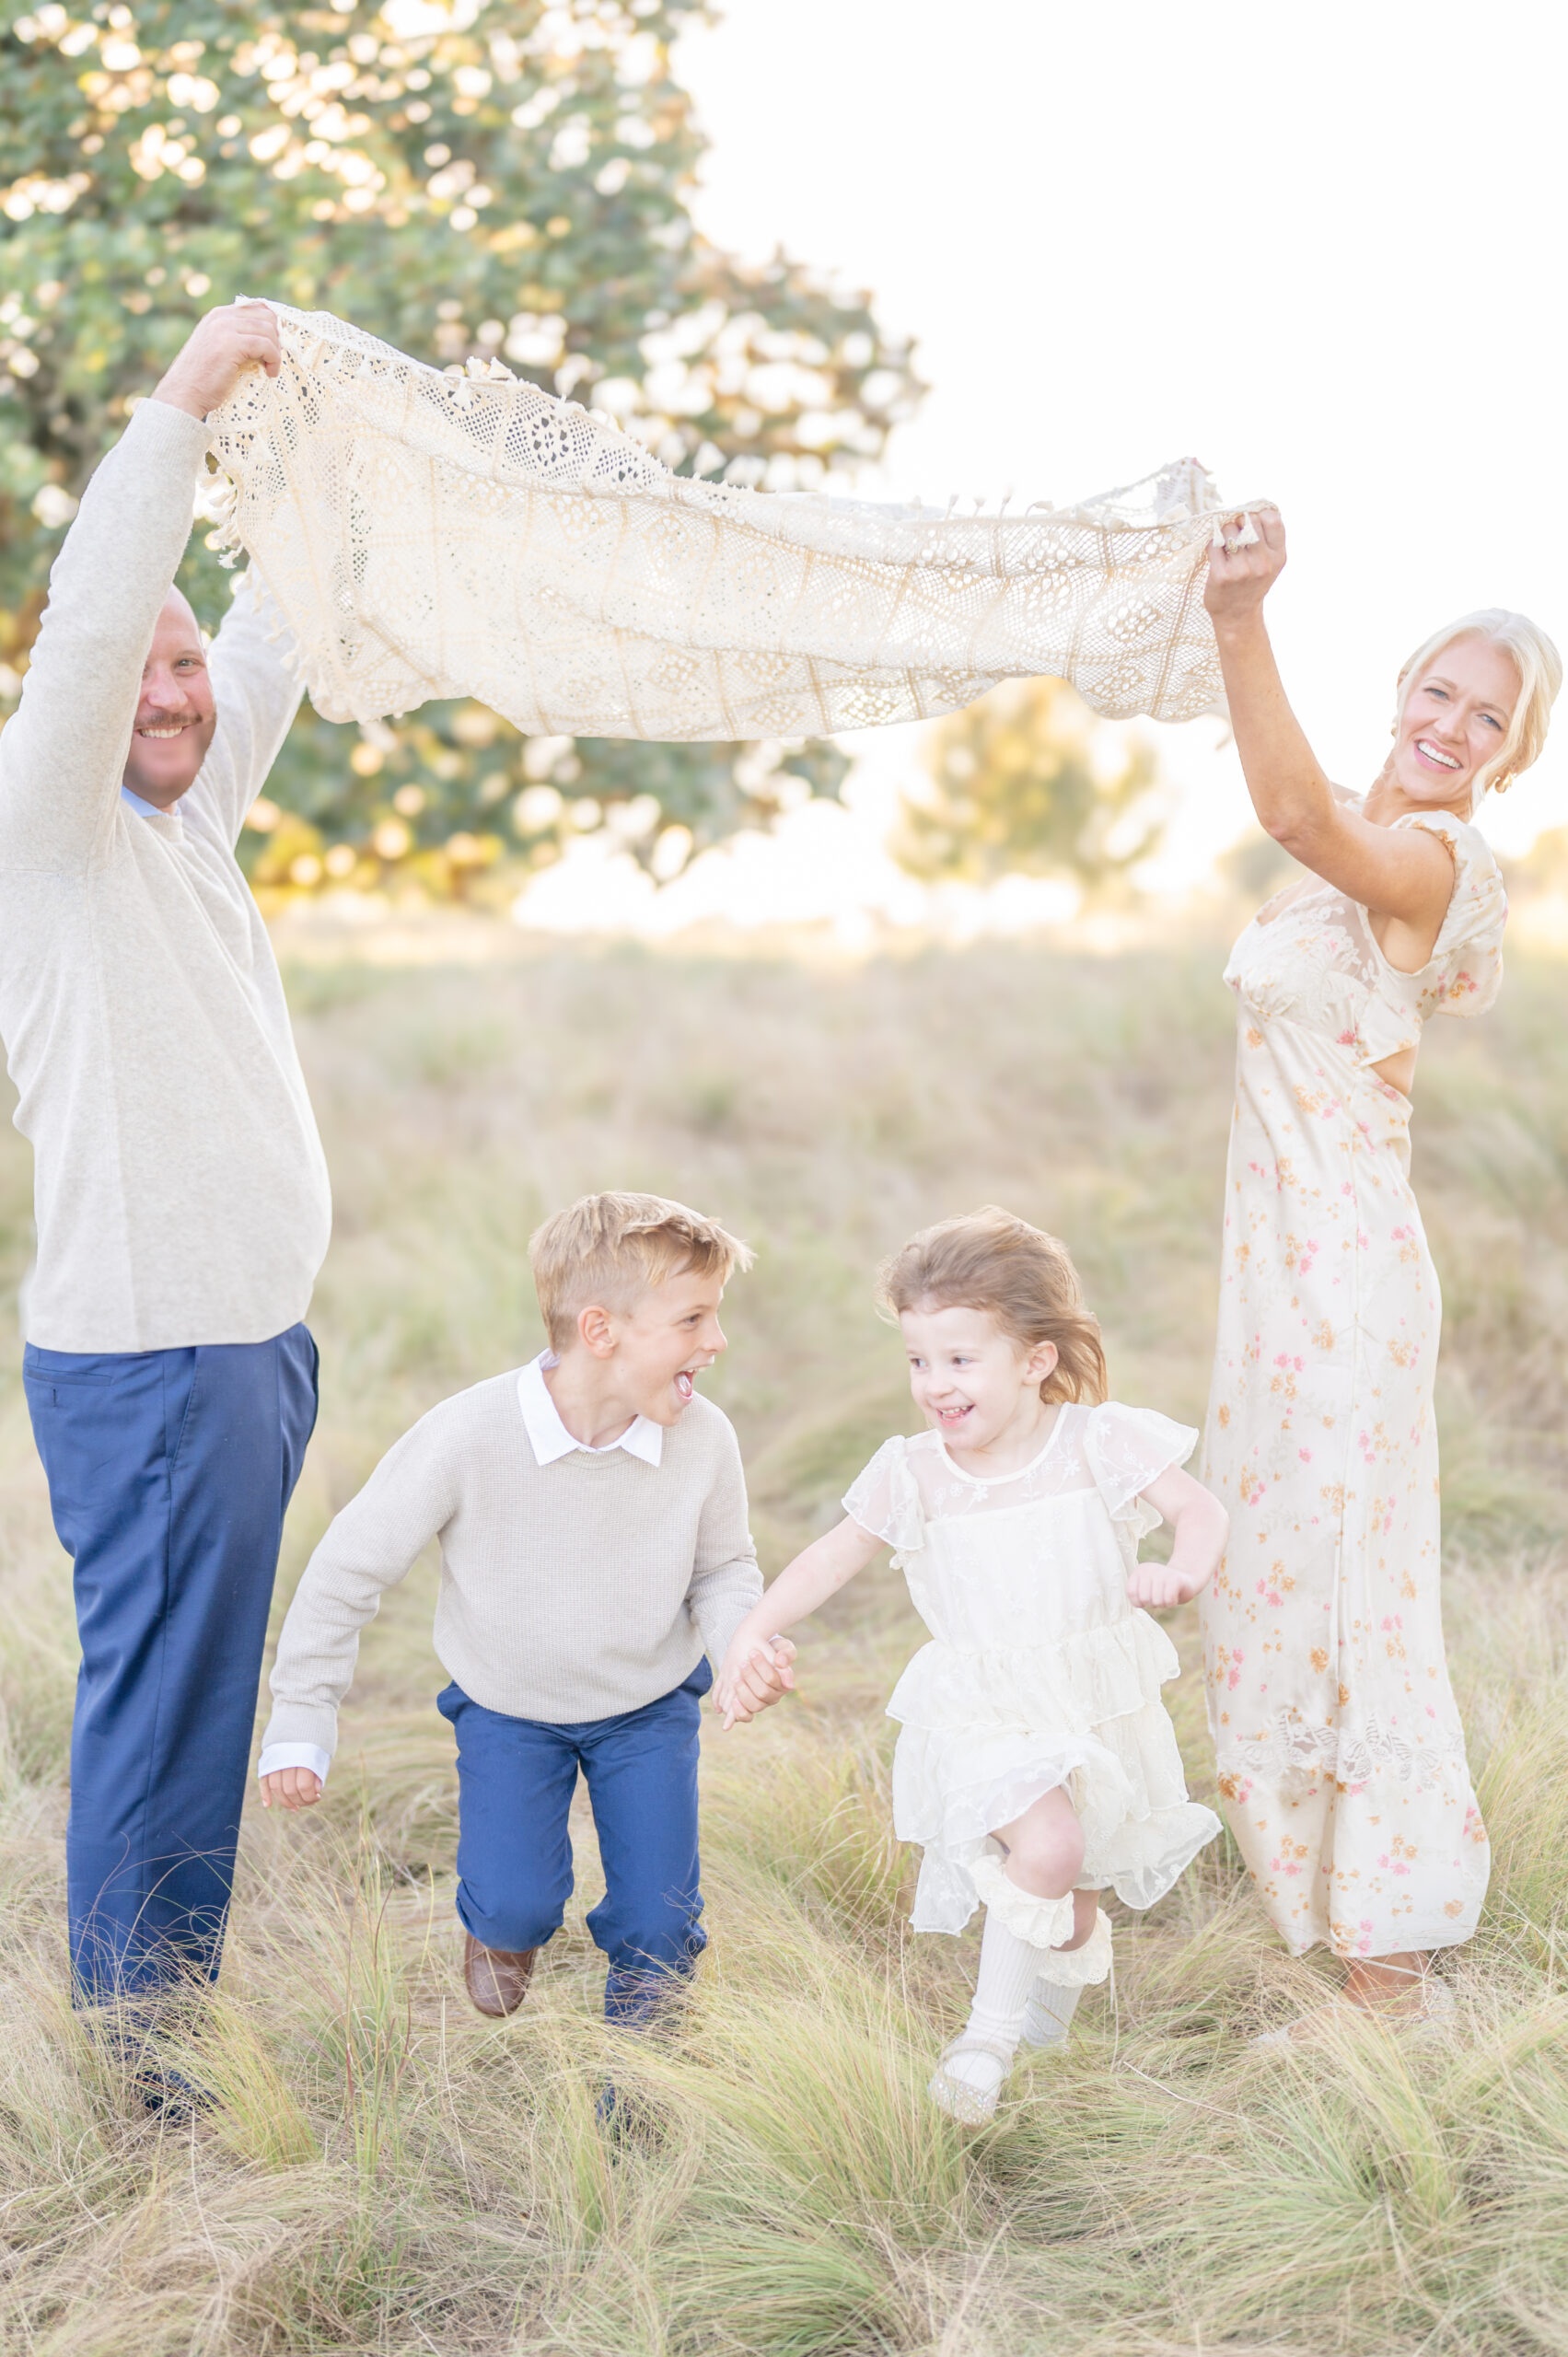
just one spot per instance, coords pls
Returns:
(1155, 1585)
(291, 1788)
(1201, 1527)
(1240, 578)
(752, 1677)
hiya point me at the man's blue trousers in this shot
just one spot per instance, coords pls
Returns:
(515, 1778)
(170, 1473)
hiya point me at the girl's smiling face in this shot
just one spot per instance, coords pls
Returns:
(972, 1381)
(1454, 722)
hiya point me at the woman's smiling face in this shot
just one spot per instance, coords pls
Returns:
(1453, 723)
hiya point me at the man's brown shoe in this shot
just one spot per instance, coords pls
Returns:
(496, 1978)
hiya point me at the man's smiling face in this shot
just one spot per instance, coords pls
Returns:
(175, 713)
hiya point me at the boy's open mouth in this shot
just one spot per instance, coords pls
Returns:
(683, 1383)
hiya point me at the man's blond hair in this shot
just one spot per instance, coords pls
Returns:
(612, 1248)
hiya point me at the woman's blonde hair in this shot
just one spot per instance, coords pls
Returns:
(1539, 668)
(1024, 1279)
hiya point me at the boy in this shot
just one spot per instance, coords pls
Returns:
(591, 1511)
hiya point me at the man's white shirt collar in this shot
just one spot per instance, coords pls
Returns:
(549, 1438)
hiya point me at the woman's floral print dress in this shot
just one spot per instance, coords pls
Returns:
(1341, 1756)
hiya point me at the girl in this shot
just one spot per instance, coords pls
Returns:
(1036, 1763)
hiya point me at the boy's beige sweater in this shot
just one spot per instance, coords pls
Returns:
(576, 1590)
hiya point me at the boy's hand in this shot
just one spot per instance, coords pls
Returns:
(1159, 1585)
(291, 1788)
(750, 1682)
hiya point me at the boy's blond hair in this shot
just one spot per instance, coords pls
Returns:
(612, 1248)
(1026, 1280)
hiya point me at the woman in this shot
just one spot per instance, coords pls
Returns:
(1341, 1758)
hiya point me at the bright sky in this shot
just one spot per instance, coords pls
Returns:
(1321, 246)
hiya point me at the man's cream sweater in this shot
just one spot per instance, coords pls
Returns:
(573, 1590)
(179, 1184)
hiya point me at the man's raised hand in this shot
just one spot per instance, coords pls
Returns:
(219, 351)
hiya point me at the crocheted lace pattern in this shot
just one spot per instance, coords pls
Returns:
(434, 533)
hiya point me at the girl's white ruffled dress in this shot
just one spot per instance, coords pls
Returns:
(1040, 1671)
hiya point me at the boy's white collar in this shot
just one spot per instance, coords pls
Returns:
(549, 1438)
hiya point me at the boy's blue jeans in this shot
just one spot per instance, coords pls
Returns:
(170, 1473)
(515, 1778)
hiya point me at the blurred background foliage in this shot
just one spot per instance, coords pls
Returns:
(507, 180)
(1029, 781)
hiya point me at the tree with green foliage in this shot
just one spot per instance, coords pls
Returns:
(463, 178)
(1029, 781)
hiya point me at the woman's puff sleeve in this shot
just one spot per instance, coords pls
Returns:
(1468, 954)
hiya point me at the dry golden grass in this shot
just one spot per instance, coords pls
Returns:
(384, 2172)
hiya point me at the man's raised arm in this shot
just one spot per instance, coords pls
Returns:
(63, 754)
(256, 688)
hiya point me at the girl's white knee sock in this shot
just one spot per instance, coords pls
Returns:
(1008, 1967)
(1007, 1970)
(1049, 2014)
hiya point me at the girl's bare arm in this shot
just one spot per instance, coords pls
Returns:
(816, 1573)
(1201, 1527)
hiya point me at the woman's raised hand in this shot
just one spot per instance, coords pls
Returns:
(1241, 571)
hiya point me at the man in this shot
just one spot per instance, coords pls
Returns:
(180, 1192)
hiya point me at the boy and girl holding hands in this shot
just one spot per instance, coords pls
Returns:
(592, 1520)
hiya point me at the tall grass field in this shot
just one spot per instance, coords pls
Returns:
(385, 2171)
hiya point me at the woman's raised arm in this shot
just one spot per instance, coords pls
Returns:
(1408, 874)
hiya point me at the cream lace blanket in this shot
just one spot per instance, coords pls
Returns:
(434, 534)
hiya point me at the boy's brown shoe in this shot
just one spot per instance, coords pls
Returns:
(496, 1978)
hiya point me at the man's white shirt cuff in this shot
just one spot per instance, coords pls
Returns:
(295, 1755)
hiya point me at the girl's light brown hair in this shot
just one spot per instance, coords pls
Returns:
(1024, 1278)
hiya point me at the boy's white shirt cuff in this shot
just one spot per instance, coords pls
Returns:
(294, 1755)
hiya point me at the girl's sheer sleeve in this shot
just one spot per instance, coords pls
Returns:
(1127, 1449)
(885, 1500)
